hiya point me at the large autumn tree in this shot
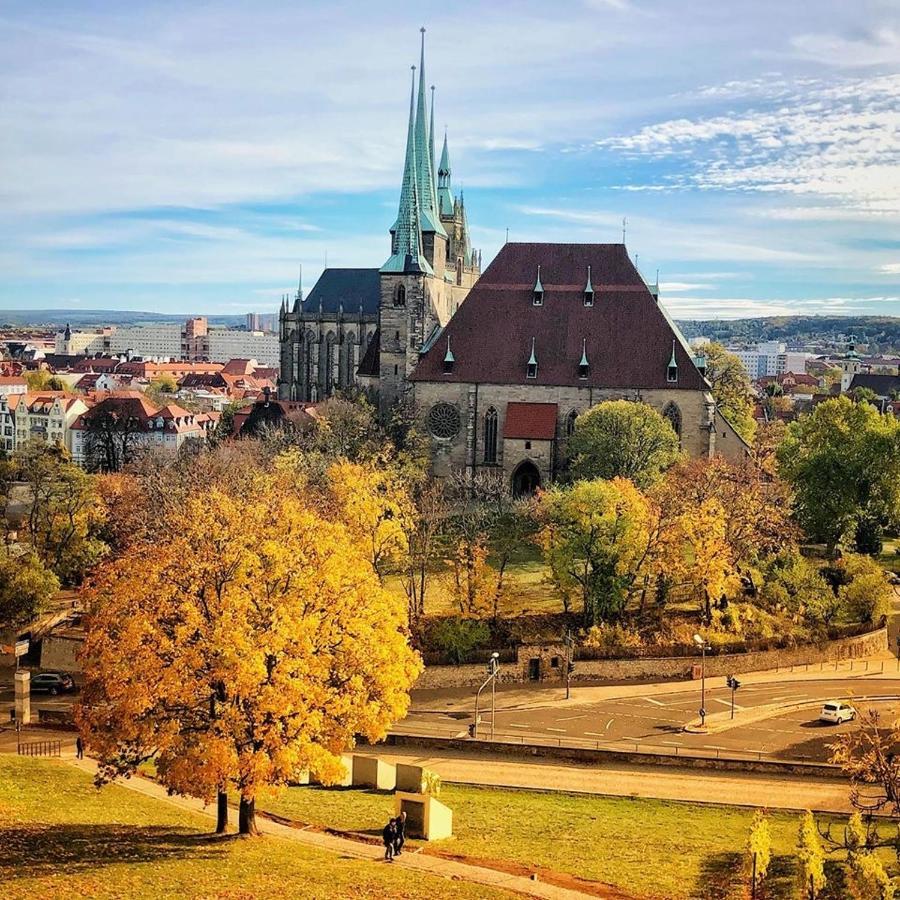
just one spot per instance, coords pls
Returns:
(623, 439)
(598, 539)
(253, 643)
(843, 462)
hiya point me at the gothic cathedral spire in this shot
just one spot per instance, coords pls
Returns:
(428, 215)
(408, 255)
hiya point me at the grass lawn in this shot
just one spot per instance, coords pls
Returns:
(61, 838)
(644, 847)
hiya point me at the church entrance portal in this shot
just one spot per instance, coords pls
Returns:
(526, 479)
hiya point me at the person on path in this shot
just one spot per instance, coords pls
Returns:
(389, 836)
(400, 840)
(79, 748)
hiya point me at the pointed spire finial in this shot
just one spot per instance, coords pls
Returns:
(583, 364)
(624, 224)
(425, 184)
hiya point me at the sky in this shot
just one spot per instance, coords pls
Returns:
(190, 157)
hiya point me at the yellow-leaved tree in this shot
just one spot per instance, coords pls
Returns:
(255, 643)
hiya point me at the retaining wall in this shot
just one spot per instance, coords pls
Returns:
(657, 668)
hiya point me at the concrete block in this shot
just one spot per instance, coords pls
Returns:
(23, 697)
(426, 817)
(410, 778)
(370, 771)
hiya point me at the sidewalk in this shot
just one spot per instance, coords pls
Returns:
(511, 698)
(794, 792)
(419, 862)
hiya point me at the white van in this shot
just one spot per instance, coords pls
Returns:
(835, 712)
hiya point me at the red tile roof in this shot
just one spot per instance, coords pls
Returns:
(627, 336)
(531, 421)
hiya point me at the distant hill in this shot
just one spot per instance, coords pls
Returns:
(92, 318)
(880, 333)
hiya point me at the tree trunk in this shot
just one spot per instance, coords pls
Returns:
(247, 817)
(222, 813)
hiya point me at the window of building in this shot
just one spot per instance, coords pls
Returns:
(672, 370)
(673, 414)
(527, 445)
(537, 294)
(443, 421)
(490, 436)
(400, 295)
(570, 422)
(459, 271)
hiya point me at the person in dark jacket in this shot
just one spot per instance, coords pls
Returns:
(400, 840)
(389, 836)
(79, 748)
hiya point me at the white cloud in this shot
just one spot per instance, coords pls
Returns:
(879, 46)
(746, 307)
(890, 269)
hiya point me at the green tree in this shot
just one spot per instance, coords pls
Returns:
(870, 881)
(42, 380)
(867, 595)
(796, 585)
(843, 462)
(622, 439)
(458, 637)
(597, 537)
(759, 845)
(731, 389)
(26, 586)
(810, 858)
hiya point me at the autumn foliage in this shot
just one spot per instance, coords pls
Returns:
(254, 643)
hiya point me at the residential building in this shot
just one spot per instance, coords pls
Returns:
(12, 384)
(48, 416)
(8, 404)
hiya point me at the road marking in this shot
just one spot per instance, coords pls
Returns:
(727, 703)
(560, 730)
(594, 734)
(672, 743)
(513, 725)
(569, 718)
(655, 702)
(609, 723)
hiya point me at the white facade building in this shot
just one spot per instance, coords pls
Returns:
(156, 340)
(226, 344)
(48, 416)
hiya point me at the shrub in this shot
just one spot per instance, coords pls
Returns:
(867, 594)
(612, 640)
(458, 637)
(759, 845)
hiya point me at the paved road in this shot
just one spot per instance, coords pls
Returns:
(654, 718)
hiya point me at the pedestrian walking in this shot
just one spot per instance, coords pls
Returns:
(389, 836)
(79, 748)
(400, 840)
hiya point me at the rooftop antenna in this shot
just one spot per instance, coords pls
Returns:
(624, 224)
(326, 259)
(507, 235)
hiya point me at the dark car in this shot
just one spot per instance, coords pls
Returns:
(52, 683)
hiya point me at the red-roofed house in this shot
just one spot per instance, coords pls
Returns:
(48, 416)
(12, 384)
(548, 331)
(108, 436)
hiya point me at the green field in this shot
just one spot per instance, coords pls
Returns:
(646, 848)
(60, 838)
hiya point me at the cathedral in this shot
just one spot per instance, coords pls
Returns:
(367, 327)
(499, 364)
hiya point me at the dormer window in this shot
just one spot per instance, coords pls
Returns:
(672, 370)
(589, 290)
(700, 363)
(584, 368)
(449, 358)
(537, 294)
(531, 367)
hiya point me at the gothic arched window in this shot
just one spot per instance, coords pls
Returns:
(400, 295)
(570, 422)
(490, 436)
(673, 414)
(458, 270)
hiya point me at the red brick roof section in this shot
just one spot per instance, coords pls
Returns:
(628, 339)
(531, 421)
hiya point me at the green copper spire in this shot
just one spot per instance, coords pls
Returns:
(408, 255)
(428, 217)
(445, 193)
(431, 146)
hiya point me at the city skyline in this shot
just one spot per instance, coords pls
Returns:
(194, 159)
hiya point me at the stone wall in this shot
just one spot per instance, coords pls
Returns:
(60, 654)
(657, 668)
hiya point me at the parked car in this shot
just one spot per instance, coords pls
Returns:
(52, 683)
(835, 712)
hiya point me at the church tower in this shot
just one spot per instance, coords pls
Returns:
(428, 273)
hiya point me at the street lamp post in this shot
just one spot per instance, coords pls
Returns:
(493, 668)
(701, 643)
(568, 640)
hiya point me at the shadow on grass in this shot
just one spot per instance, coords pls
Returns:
(68, 849)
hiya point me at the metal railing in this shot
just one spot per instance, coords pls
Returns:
(39, 748)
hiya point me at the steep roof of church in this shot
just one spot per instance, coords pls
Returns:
(625, 333)
(425, 187)
(351, 287)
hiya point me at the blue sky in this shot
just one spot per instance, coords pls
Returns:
(186, 156)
